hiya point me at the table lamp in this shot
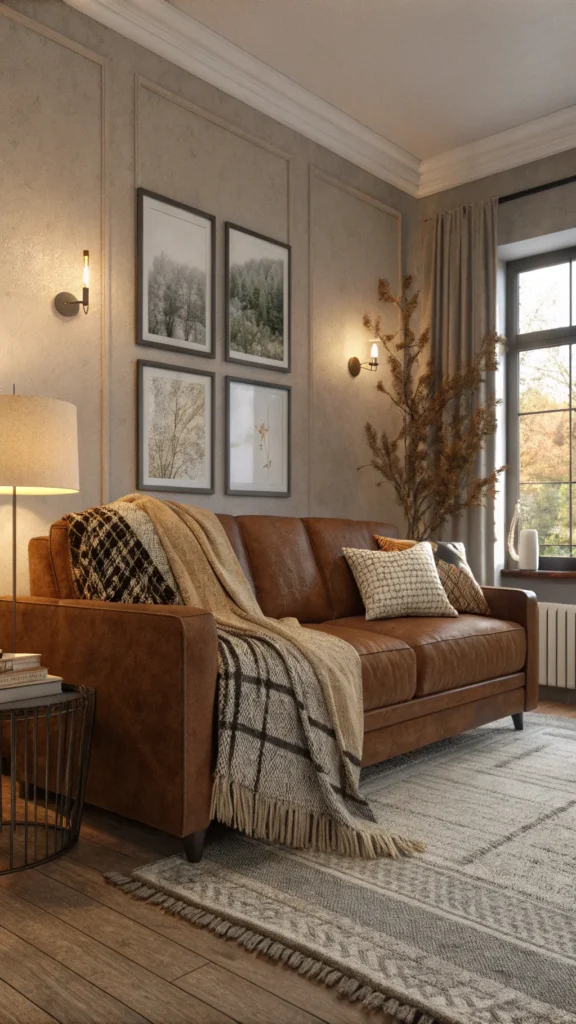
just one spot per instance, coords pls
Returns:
(38, 455)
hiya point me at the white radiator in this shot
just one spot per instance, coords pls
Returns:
(557, 645)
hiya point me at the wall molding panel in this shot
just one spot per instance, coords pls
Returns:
(316, 173)
(318, 176)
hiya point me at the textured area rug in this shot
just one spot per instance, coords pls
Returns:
(479, 930)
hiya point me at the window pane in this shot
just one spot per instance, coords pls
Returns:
(546, 508)
(544, 447)
(544, 298)
(545, 379)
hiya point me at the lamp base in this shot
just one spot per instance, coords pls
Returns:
(354, 366)
(66, 304)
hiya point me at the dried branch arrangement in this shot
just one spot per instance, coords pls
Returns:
(431, 461)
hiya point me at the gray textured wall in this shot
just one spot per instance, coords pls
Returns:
(86, 117)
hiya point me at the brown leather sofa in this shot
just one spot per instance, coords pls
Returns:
(154, 668)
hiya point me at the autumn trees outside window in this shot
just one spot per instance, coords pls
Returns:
(541, 399)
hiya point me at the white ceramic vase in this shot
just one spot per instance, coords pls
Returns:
(528, 549)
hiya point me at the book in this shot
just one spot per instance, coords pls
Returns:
(23, 676)
(15, 662)
(51, 686)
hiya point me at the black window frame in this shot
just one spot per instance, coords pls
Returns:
(517, 343)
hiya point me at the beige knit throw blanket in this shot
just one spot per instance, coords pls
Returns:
(290, 714)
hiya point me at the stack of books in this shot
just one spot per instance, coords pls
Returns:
(23, 677)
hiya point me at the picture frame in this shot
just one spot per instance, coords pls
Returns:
(258, 438)
(176, 253)
(175, 452)
(258, 333)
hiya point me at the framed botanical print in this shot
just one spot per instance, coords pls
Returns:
(176, 270)
(175, 428)
(257, 290)
(257, 438)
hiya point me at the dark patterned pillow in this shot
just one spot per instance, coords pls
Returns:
(462, 590)
(399, 583)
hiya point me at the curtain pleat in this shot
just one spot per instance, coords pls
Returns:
(459, 304)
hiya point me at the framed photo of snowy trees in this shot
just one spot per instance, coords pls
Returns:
(175, 428)
(257, 290)
(176, 269)
(257, 438)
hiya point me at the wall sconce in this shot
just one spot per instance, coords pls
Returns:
(66, 303)
(354, 364)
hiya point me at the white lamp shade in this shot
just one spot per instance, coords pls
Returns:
(38, 446)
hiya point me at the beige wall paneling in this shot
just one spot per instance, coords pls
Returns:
(54, 131)
(354, 239)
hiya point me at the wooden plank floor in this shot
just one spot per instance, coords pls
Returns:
(77, 951)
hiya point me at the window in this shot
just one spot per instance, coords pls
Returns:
(541, 400)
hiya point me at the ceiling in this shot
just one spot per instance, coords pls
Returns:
(425, 94)
(429, 75)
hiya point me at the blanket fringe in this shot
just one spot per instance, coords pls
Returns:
(278, 821)
(346, 986)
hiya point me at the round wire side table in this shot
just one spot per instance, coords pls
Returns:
(44, 756)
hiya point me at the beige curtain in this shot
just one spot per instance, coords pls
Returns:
(459, 304)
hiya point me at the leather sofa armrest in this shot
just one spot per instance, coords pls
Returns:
(520, 606)
(154, 669)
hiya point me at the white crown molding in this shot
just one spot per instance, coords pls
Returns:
(554, 133)
(182, 40)
(165, 30)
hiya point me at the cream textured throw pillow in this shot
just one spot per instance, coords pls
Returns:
(397, 583)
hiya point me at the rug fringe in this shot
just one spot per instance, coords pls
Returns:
(346, 987)
(278, 821)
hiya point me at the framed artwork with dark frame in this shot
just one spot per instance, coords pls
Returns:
(257, 290)
(175, 428)
(176, 276)
(258, 449)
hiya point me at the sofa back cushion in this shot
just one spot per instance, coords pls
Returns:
(295, 566)
(287, 580)
(230, 524)
(328, 537)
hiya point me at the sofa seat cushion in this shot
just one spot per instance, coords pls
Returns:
(453, 652)
(388, 664)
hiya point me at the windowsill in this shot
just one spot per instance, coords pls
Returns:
(543, 574)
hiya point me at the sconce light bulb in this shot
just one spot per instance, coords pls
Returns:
(86, 271)
(374, 350)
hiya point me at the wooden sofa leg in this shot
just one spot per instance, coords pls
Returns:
(194, 846)
(518, 720)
